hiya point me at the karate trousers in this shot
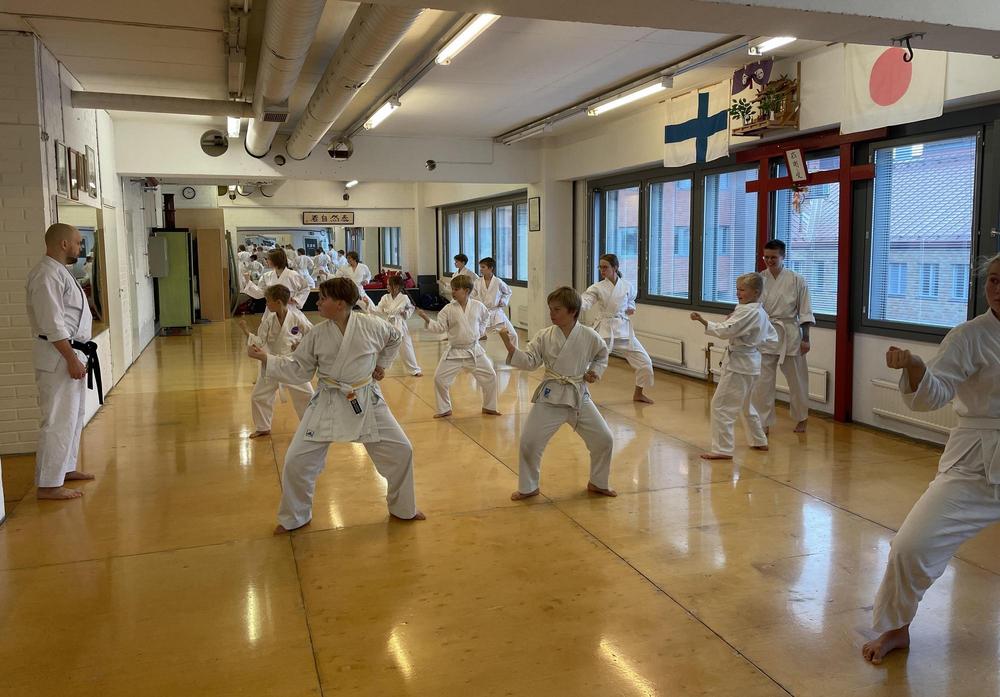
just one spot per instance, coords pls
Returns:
(732, 399)
(262, 400)
(506, 324)
(62, 402)
(407, 353)
(957, 505)
(482, 370)
(796, 372)
(392, 456)
(637, 358)
(542, 423)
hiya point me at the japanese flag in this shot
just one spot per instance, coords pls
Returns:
(881, 89)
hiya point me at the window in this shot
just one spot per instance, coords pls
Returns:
(469, 236)
(389, 242)
(487, 229)
(522, 242)
(897, 279)
(354, 238)
(729, 243)
(960, 282)
(669, 240)
(811, 233)
(505, 241)
(922, 214)
(485, 233)
(454, 245)
(620, 234)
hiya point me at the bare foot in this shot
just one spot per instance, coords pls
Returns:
(759, 447)
(767, 430)
(417, 516)
(594, 489)
(518, 496)
(78, 476)
(57, 493)
(638, 396)
(800, 427)
(443, 414)
(715, 456)
(280, 529)
(260, 434)
(874, 651)
(492, 412)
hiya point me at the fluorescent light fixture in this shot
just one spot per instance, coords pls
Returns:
(465, 37)
(525, 134)
(382, 114)
(641, 93)
(232, 187)
(352, 183)
(759, 47)
(233, 126)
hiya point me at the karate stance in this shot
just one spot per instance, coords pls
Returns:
(614, 300)
(495, 295)
(786, 301)
(962, 499)
(279, 274)
(60, 319)
(360, 274)
(461, 269)
(573, 355)
(304, 265)
(396, 308)
(351, 352)
(747, 328)
(464, 320)
(280, 332)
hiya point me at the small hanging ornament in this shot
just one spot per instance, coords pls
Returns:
(798, 196)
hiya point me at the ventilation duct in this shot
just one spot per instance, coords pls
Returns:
(158, 105)
(289, 29)
(374, 33)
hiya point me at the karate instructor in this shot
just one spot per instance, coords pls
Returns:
(61, 326)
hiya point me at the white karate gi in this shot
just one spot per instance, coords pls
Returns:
(243, 257)
(964, 498)
(321, 267)
(255, 269)
(495, 296)
(57, 309)
(786, 301)
(304, 265)
(292, 280)
(345, 363)
(610, 301)
(464, 352)
(278, 340)
(396, 311)
(563, 397)
(361, 275)
(746, 329)
(338, 261)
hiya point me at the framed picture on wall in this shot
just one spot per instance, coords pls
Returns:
(73, 164)
(62, 170)
(91, 172)
(81, 173)
(534, 214)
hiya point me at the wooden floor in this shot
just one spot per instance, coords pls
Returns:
(743, 579)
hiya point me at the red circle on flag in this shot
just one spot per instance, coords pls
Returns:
(890, 77)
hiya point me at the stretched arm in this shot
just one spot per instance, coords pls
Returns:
(734, 325)
(590, 297)
(293, 370)
(529, 358)
(932, 386)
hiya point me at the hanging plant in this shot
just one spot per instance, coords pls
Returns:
(741, 109)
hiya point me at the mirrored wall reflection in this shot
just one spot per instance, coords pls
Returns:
(89, 267)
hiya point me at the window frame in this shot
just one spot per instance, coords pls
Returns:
(477, 206)
(393, 231)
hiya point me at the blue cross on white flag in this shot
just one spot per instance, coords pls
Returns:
(697, 127)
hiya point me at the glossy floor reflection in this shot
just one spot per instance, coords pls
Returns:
(750, 577)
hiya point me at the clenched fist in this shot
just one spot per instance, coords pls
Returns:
(898, 358)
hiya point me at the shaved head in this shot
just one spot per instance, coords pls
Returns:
(59, 232)
(62, 243)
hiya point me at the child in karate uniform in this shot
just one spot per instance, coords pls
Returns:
(280, 332)
(350, 351)
(573, 355)
(492, 292)
(464, 320)
(396, 308)
(747, 328)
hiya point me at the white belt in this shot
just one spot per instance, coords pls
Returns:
(988, 428)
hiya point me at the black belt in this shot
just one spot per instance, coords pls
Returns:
(88, 349)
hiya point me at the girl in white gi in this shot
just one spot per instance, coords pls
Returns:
(351, 352)
(396, 308)
(321, 266)
(492, 292)
(304, 265)
(614, 301)
(279, 274)
(786, 301)
(254, 268)
(280, 332)
(360, 274)
(573, 355)
(746, 329)
(464, 319)
(963, 498)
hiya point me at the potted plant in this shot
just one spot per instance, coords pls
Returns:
(741, 109)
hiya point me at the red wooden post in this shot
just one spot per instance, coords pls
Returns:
(763, 210)
(843, 390)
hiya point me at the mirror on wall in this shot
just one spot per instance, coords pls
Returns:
(89, 267)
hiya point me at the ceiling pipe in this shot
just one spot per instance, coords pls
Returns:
(289, 30)
(159, 105)
(373, 34)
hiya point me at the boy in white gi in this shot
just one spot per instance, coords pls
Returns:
(962, 500)
(464, 320)
(321, 266)
(280, 332)
(613, 298)
(350, 352)
(573, 355)
(279, 274)
(360, 274)
(396, 308)
(492, 292)
(304, 265)
(746, 329)
(786, 301)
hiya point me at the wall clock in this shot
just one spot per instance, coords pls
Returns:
(188, 192)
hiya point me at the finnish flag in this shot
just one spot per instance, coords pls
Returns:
(697, 127)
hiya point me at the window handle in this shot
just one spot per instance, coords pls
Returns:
(995, 233)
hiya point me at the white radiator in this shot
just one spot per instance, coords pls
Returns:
(819, 379)
(662, 349)
(889, 404)
(520, 319)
